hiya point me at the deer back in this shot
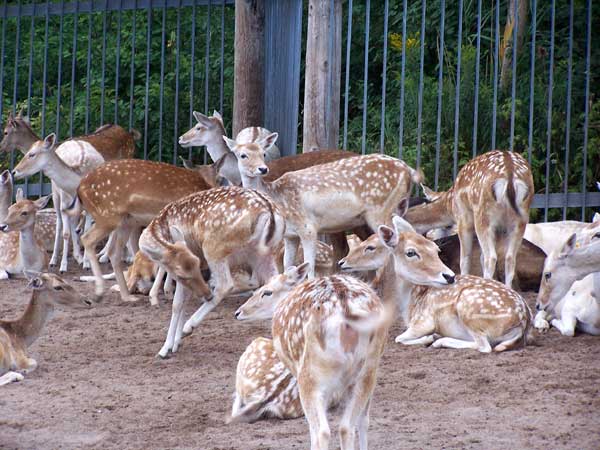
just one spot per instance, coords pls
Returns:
(292, 163)
(112, 141)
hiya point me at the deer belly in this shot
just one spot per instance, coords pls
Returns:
(452, 326)
(336, 211)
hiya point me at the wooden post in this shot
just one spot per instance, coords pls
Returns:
(322, 75)
(248, 84)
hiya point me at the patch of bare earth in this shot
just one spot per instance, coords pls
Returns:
(99, 386)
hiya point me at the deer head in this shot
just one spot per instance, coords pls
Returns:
(251, 155)
(57, 290)
(36, 158)
(16, 129)
(205, 132)
(22, 213)
(263, 302)
(369, 254)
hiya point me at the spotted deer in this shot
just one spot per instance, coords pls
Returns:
(124, 195)
(328, 198)
(491, 196)
(467, 311)
(220, 226)
(330, 333)
(17, 335)
(264, 387)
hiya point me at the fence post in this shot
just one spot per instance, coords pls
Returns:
(322, 76)
(248, 83)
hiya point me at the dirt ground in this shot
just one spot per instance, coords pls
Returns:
(99, 385)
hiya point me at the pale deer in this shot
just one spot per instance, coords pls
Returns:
(18, 334)
(330, 333)
(328, 198)
(21, 218)
(220, 226)
(468, 311)
(491, 196)
(125, 195)
(264, 387)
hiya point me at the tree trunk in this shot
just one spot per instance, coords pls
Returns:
(507, 44)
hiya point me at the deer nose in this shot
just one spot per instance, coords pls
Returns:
(341, 262)
(3, 227)
(15, 173)
(539, 307)
(449, 278)
(263, 170)
(237, 314)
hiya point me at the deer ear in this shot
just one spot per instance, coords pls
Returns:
(230, 143)
(568, 246)
(217, 115)
(187, 163)
(401, 225)
(42, 202)
(596, 217)
(5, 177)
(296, 275)
(403, 207)
(19, 195)
(49, 141)
(387, 236)
(176, 234)
(268, 141)
(202, 119)
(35, 279)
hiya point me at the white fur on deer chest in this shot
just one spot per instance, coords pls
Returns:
(9, 252)
(80, 156)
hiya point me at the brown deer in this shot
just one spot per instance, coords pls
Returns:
(16, 335)
(264, 387)
(330, 333)
(328, 198)
(220, 226)
(491, 197)
(124, 195)
(468, 311)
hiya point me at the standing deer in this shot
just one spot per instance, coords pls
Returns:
(329, 198)
(491, 197)
(221, 226)
(468, 311)
(330, 333)
(16, 335)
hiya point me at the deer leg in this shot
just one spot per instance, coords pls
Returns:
(479, 343)
(315, 410)
(133, 243)
(357, 406)
(176, 312)
(87, 225)
(540, 322)
(4, 275)
(465, 236)
(416, 336)
(10, 377)
(116, 259)
(510, 255)
(486, 238)
(309, 246)
(566, 324)
(158, 280)
(103, 255)
(58, 228)
(66, 235)
(290, 247)
(90, 239)
(339, 243)
(362, 426)
(168, 287)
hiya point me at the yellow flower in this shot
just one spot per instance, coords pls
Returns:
(396, 41)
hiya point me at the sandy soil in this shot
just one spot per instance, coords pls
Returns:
(99, 385)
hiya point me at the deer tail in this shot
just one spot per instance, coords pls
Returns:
(135, 134)
(248, 413)
(507, 187)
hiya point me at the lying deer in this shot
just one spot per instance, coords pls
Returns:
(219, 225)
(490, 196)
(21, 218)
(16, 335)
(328, 198)
(264, 387)
(330, 333)
(468, 311)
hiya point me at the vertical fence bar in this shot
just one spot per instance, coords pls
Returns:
(87, 76)
(175, 118)
(16, 78)
(221, 80)
(532, 78)
(2, 52)
(366, 77)
(73, 67)
(118, 60)
(402, 77)
(496, 64)
(192, 62)
(421, 74)
(330, 40)
(59, 78)
(568, 118)
(207, 66)
(102, 78)
(146, 99)
(162, 79)
(438, 128)
(514, 78)
(476, 93)
(588, 49)
(132, 68)
(44, 84)
(30, 73)
(457, 93)
(384, 76)
(549, 111)
(347, 81)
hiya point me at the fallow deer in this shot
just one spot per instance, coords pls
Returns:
(124, 195)
(490, 196)
(21, 218)
(328, 198)
(264, 387)
(468, 311)
(220, 226)
(16, 335)
(330, 333)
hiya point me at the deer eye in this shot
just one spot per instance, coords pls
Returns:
(370, 248)
(411, 253)
(24, 213)
(597, 235)
(243, 156)
(547, 276)
(58, 288)
(267, 293)
(5, 132)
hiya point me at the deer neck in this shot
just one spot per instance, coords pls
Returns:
(29, 326)
(27, 139)
(217, 149)
(61, 174)
(396, 289)
(28, 248)
(437, 214)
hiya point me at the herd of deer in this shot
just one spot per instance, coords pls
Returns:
(261, 234)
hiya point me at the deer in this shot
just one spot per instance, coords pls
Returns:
(572, 269)
(490, 197)
(330, 333)
(124, 195)
(220, 226)
(21, 218)
(328, 198)
(48, 291)
(467, 311)
(264, 387)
